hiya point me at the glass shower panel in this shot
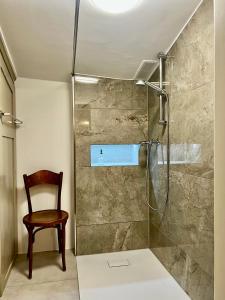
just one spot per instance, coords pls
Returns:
(110, 121)
(158, 176)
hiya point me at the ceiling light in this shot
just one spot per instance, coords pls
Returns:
(84, 79)
(115, 6)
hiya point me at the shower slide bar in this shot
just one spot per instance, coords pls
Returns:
(142, 79)
(162, 119)
(13, 121)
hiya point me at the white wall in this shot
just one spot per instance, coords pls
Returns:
(44, 141)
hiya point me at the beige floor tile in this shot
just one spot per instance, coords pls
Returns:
(46, 268)
(66, 290)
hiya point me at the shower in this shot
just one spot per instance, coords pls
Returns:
(153, 86)
(164, 120)
(133, 209)
(148, 145)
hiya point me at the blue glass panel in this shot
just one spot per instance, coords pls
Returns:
(114, 155)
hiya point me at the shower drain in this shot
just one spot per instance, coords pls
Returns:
(114, 263)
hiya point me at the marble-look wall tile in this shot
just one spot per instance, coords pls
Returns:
(197, 283)
(108, 126)
(110, 201)
(190, 65)
(187, 219)
(111, 93)
(112, 237)
(181, 232)
(191, 127)
(110, 195)
(191, 122)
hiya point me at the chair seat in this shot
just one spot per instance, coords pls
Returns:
(46, 218)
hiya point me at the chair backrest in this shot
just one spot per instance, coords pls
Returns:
(43, 177)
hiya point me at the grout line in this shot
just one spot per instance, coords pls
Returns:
(41, 282)
(78, 282)
(114, 223)
(192, 175)
(110, 108)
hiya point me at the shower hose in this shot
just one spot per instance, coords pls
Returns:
(149, 147)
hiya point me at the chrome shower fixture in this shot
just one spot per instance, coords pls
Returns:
(153, 86)
(163, 96)
(162, 114)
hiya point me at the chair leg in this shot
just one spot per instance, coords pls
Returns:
(63, 236)
(28, 242)
(59, 238)
(30, 250)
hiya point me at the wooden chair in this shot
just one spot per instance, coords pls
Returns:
(51, 218)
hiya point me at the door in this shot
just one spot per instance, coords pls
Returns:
(7, 176)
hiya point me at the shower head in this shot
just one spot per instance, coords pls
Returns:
(153, 86)
(145, 69)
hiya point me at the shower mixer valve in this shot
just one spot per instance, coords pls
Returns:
(155, 141)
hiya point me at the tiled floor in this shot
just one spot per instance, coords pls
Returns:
(48, 282)
(141, 277)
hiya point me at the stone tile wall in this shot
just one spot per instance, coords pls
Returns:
(181, 233)
(110, 209)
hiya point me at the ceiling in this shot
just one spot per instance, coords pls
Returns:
(39, 35)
